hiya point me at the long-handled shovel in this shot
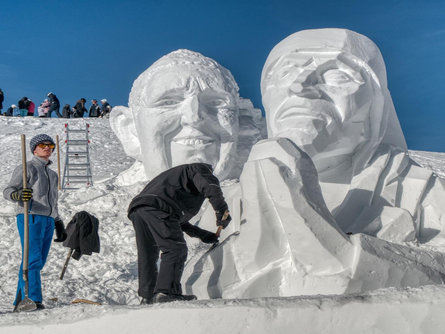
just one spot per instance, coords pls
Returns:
(218, 231)
(26, 304)
(70, 252)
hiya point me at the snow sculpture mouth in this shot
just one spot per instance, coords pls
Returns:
(190, 137)
(297, 112)
(194, 142)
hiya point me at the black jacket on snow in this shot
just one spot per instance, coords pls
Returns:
(83, 234)
(2, 97)
(181, 190)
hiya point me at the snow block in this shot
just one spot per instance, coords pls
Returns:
(289, 244)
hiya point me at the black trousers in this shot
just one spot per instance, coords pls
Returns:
(157, 230)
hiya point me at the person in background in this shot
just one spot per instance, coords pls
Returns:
(106, 108)
(31, 108)
(42, 194)
(10, 110)
(79, 109)
(23, 106)
(54, 105)
(94, 109)
(66, 111)
(2, 98)
(43, 108)
(160, 214)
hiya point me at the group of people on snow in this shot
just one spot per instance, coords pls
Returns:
(160, 214)
(51, 105)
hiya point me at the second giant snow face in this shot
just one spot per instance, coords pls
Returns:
(321, 101)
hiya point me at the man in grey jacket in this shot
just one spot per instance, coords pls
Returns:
(42, 194)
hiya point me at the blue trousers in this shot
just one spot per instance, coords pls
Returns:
(41, 230)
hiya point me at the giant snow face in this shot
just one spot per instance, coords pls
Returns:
(325, 89)
(182, 109)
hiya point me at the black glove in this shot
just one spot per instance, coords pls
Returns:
(208, 237)
(60, 231)
(24, 194)
(223, 218)
(196, 232)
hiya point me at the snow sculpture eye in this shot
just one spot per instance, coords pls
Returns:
(168, 101)
(341, 82)
(336, 77)
(214, 101)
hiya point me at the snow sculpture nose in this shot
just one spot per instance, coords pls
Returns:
(192, 112)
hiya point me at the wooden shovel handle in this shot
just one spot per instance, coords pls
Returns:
(25, 213)
(218, 231)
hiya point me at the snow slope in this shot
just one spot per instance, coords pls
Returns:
(111, 276)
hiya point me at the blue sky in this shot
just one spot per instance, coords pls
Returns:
(95, 49)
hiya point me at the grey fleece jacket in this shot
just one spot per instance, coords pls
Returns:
(43, 182)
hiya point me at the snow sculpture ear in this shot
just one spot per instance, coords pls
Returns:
(122, 123)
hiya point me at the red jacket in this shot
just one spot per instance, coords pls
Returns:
(31, 107)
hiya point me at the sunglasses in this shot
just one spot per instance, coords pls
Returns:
(43, 145)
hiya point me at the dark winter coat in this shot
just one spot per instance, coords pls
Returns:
(9, 111)
(66, 111)
(181, 191)
(94, 110)
(2, 98)
(23, 103)
(79, 109)
(55, 104)
(83, 234)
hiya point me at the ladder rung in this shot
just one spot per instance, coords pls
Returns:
(77, 181)
(78, 176)
(77, 142)
(77, 159)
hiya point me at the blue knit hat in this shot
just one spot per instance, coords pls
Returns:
(36, 140)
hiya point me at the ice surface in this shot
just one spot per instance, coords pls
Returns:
(326, 90)
(186, 108)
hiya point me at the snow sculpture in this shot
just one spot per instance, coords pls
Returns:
(326, 90)
(284, 241)
(186, 108)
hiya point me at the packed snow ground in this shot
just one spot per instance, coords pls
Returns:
(111, 276)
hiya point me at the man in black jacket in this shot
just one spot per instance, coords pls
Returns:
(160, 215)
(55, 105)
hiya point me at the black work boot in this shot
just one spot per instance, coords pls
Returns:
(146, 301)
(166, 298)
(40, 306)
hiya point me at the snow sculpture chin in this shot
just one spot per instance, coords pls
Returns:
(184, 108)
(326, 90)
